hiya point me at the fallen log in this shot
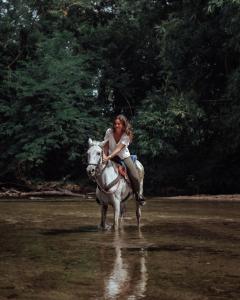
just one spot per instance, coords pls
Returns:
(18, 194)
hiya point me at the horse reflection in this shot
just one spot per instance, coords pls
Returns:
(128, 279)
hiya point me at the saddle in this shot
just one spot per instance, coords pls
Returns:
(122, 170)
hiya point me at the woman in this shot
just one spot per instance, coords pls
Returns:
(117, 141)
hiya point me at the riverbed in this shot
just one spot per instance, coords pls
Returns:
(184, 250)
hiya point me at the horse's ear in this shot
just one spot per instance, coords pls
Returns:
(101, 144)
(90, 142)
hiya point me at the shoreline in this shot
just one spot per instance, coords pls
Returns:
(91, 197)
(205, 197)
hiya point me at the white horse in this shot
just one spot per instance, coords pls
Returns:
(112, 188)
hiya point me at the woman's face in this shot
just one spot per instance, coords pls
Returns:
(118, 126)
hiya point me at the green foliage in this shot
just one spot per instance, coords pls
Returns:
(53, 110)
(165, 126)
(171, 66)
(215, 4)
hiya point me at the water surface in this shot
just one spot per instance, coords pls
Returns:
(184, 250)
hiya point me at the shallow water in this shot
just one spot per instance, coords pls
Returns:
(184, 250)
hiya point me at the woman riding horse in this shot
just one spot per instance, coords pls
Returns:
(117, 140)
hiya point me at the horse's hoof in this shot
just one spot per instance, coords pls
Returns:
(141, 202)
(105, 227)
(116, 228)
(108, 227)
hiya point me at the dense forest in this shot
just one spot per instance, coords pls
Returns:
(172, 67)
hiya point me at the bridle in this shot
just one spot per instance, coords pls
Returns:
(98, 163)
(99, 173)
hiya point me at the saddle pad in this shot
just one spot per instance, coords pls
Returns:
(133, 157)
(122, 171)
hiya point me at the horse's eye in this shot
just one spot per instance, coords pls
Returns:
(98, 153)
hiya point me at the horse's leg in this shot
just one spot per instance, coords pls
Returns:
(116, 207)
(122, 212)
(141, 187)
(104, 208)
(138, 213)
(140, 169)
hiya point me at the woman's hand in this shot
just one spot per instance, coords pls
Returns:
(114, 152)
(106, 158)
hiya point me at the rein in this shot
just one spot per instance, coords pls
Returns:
(111, 184)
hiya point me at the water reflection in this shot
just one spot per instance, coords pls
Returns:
(128, 278)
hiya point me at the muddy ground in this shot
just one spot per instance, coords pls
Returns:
(186, 249)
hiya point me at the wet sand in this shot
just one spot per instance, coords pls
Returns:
(186, 249)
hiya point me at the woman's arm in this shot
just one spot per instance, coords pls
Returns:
(106, 149)
(118, 148)
(106, 145)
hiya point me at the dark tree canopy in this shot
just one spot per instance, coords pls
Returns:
(68, 67)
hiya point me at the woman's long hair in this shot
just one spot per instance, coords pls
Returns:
(127, 126)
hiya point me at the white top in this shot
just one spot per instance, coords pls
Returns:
(125, 140)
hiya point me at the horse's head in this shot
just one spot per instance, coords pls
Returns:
(95, 153)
